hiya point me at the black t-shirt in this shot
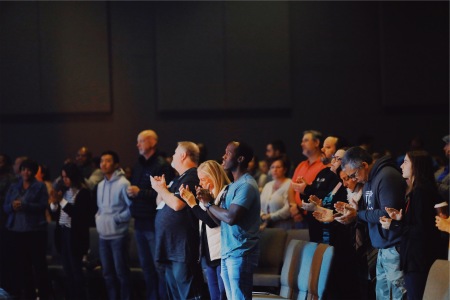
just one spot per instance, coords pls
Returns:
(177, 232)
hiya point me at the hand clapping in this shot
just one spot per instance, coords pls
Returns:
(158, 183)
(385, 222)
(348, 212)
(394, 214)
(187, 196)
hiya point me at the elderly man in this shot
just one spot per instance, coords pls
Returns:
(177, 230)
(143, 209)
(384, 187)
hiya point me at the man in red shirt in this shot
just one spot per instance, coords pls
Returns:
(306, 171)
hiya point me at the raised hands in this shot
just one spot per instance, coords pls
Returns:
(394, 214)
(323, 214)
(348, 212)
(204, 194)
(187, 196)
(299, 185)
(313, 203)
(158, 183)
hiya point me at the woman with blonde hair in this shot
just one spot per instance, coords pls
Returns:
(213, 184)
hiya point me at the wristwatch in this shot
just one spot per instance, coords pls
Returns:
(208, 205)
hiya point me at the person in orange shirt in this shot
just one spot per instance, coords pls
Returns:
(306, 172)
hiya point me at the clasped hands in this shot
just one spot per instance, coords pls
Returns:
(17, 205)
(203, 195)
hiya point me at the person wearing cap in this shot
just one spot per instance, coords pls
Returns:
(442, 175)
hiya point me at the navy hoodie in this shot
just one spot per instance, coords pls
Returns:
(385, 187)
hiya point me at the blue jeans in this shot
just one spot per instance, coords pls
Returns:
(183, 280)
(390, 280)
(237, 275)
(215, 283)
(115, 265)
(155, 282)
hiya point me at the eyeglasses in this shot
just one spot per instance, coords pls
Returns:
(354, 175)
(336, 157)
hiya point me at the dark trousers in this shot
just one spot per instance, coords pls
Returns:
(415, 284)
(73, 267)
(27, 253)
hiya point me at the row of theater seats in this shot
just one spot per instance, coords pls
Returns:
(305, 266)
(289, 265)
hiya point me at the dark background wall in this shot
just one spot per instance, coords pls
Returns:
(96, 74)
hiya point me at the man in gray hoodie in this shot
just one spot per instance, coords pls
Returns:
(112, 220)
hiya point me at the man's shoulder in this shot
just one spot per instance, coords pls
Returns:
(247, 182)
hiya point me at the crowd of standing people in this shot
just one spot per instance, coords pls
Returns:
(192, 214)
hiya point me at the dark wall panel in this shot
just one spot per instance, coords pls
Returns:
(74, 57)
(54, 58)
(19, 58)
(414, 43)
(257, 55)
(222, 55)
(190, 56)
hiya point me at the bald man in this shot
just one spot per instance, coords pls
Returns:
(143, 209)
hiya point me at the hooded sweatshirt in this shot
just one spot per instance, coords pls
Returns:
(385, 187)
(113, 215)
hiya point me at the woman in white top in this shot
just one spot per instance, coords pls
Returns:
(275, 197)
(214, 182)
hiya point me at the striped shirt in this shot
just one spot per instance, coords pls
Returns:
(69, 196)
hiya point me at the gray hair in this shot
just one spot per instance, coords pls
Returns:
(354, 157)
(191, 149)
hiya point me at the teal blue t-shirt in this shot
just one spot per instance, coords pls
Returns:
(237, 240)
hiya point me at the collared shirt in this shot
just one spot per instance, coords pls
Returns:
(308, 172)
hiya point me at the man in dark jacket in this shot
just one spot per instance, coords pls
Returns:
(384, 186)
(143, 209)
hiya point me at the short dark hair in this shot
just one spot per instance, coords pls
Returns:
(30, 164)
(354, 157)
(278, 145)
(114, 155)
(245, 151)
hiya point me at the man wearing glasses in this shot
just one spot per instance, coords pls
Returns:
(384, 186)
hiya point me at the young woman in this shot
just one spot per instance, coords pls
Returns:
(213, 182)
(420, 238)
(72, 230)
(275, 198)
